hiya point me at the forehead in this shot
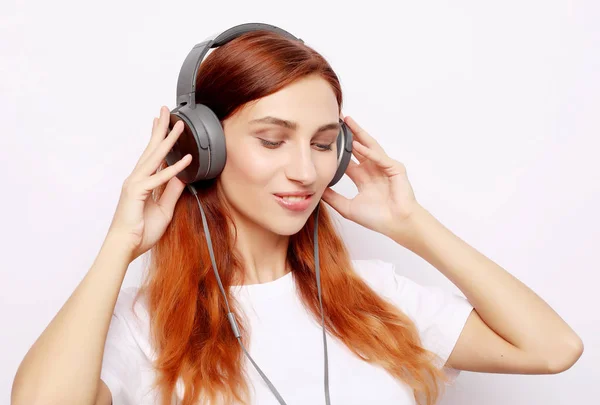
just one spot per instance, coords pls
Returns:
(308, 101)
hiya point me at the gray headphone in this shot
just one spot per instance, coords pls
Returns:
(202, 135)
(203, 138)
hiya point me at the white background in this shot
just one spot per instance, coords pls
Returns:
(494, 107)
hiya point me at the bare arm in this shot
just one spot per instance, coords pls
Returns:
(512, 329)
(63, 365)
(104, 396)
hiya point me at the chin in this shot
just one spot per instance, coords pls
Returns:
(287, 227)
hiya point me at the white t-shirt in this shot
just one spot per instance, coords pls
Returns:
(287, 343)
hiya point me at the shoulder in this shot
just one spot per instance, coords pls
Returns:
(131, 321)
(383, 278)
(378, 274)
(366, 265)
(425, 304)
(438, 314)
(127, 307)
(127, 349)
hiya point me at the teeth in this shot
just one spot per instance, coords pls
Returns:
(294, 198)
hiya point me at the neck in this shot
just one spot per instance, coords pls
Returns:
(263, 253)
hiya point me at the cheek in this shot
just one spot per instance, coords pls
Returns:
(245, 169)
(327, 166)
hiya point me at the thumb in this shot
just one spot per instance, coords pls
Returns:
(337, 201)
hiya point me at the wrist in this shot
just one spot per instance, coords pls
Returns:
(118, 246)
(408, 229)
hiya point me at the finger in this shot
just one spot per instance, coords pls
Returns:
(359, 157)
(357, 174)
(165, 175)
(339, 203)
(150, 165)
(145, 153)
(159, 131)
(159, 128)
(351, 170)
(378, 157)
(368, 153)
(360, 134)
(171, 195)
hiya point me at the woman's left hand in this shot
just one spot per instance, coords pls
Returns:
(385, 200)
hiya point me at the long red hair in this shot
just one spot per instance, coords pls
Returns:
(189, 327)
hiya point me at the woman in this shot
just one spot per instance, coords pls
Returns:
(389, 339)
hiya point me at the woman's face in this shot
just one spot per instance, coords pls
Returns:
(280, 144)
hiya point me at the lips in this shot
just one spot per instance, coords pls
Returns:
(295, 194)
(297, 201)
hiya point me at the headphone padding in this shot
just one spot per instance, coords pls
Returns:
(217, 152)
(344, 147)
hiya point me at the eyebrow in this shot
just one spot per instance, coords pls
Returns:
(291, 125)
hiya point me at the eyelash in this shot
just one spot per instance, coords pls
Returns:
(273, 145)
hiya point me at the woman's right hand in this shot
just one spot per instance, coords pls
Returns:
(139, 221)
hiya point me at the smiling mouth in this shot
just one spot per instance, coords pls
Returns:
(293, 198)
(295, 202)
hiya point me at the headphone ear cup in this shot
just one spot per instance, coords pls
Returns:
(344, 151)
(203, 138)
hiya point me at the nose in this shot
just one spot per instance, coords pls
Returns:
(301, 167)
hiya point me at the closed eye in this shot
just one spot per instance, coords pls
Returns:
(273, 145)
(269, 144)
(324, 147)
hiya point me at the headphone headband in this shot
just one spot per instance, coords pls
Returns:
(186, 83)
(203, 134)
